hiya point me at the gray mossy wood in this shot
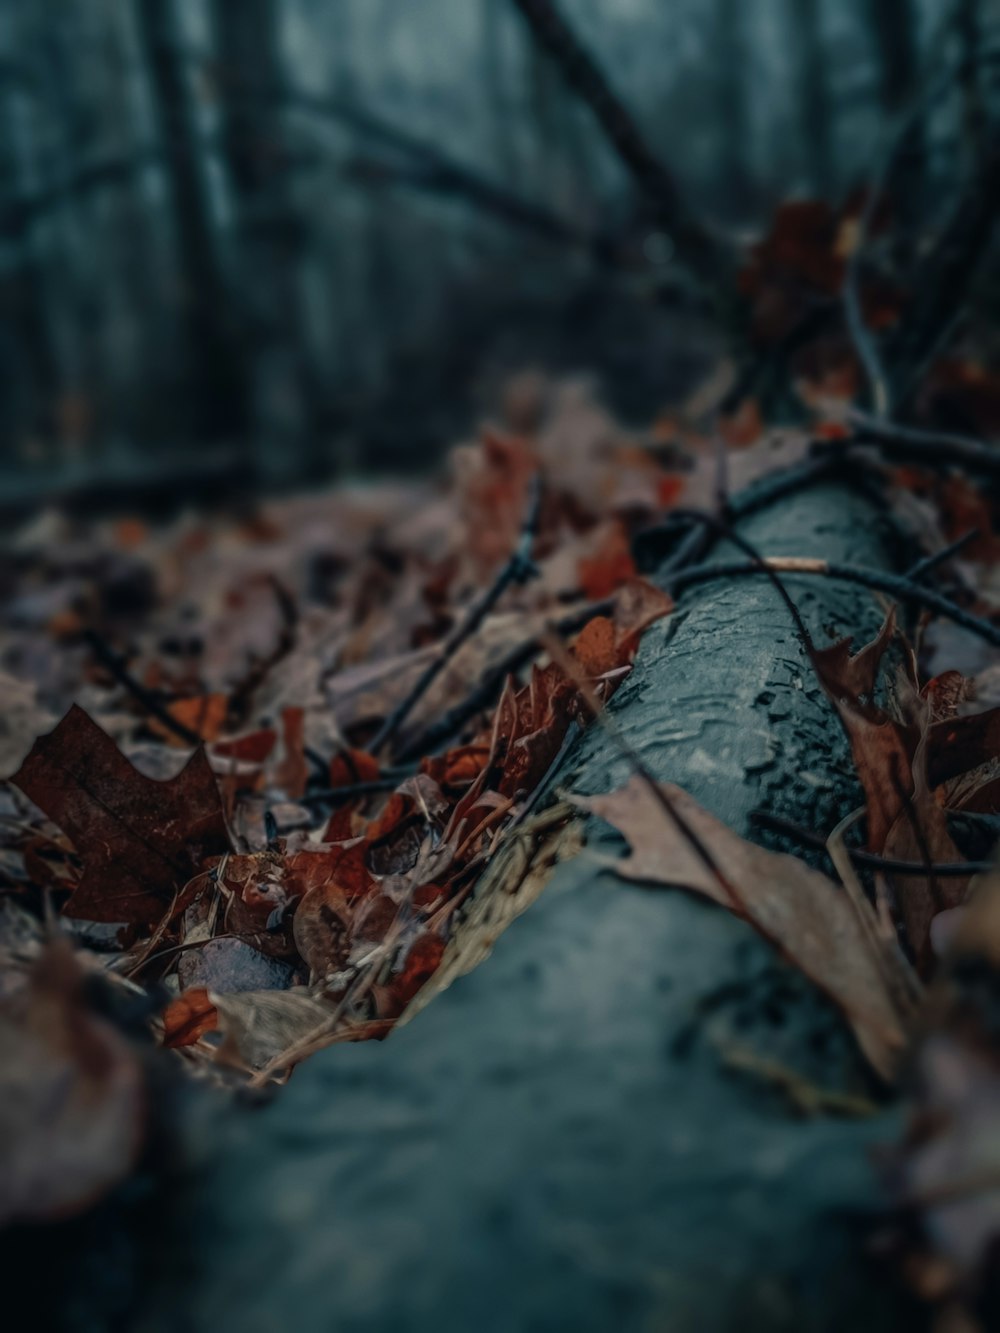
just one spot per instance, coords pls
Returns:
(559, 1141)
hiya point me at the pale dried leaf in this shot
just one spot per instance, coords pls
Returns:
(804, 914)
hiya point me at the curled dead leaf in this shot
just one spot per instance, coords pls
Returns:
(804, 914)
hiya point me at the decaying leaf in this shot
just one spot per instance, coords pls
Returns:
(187, 1017)
(895, 755)
(204, 714)
(805, 915)
(140, 840)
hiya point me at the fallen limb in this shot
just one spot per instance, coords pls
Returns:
(896, 585)
(934, 449)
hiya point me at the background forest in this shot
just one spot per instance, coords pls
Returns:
(301, 707)
(270, 239)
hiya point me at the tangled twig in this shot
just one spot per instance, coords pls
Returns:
(518, 569)
(933, 449)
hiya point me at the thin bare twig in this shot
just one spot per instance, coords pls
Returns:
(933, 449)
(445, 174)
(334, 795)
(931, 562)
(489, 687)
(896, 585)
(648, 543)
(900, 132)
(763, 566)
(116, 667)
(868, 860)
(518, 569)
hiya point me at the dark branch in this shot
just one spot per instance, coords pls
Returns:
(518, 569)
(486, 692)
(869, 860)
(430, 167)
(116, 667)
(929, 448)
(896, 585)
(587, 80)
(335, 795)
(931, 562)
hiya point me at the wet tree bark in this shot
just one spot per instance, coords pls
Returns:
(557, 1141)
(723, 701)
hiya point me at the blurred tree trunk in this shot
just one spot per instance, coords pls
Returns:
(497, 91)
(968, 20)
(29, 369)
(895, 34)
(585, 78)
(214, 366)
(560, 149)
(813, 93)
(269, 233)
(734, 156)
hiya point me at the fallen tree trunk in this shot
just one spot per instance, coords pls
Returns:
(560, 1140)
(724, 701)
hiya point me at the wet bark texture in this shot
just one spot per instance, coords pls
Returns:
(558, 1142)
(723, 701)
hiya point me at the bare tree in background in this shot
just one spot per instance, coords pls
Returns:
(735, 180)
(235, 220)
(269, 231)
(215, 373)
(894, 26)
(805, 20)
(28, 358)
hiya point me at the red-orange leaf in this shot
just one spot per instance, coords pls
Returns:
(188, 1017)
(205, 715)
(351, 766)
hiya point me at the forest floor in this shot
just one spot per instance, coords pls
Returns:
(278, 777)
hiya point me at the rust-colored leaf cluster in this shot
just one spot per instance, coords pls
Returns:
(241, 808)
